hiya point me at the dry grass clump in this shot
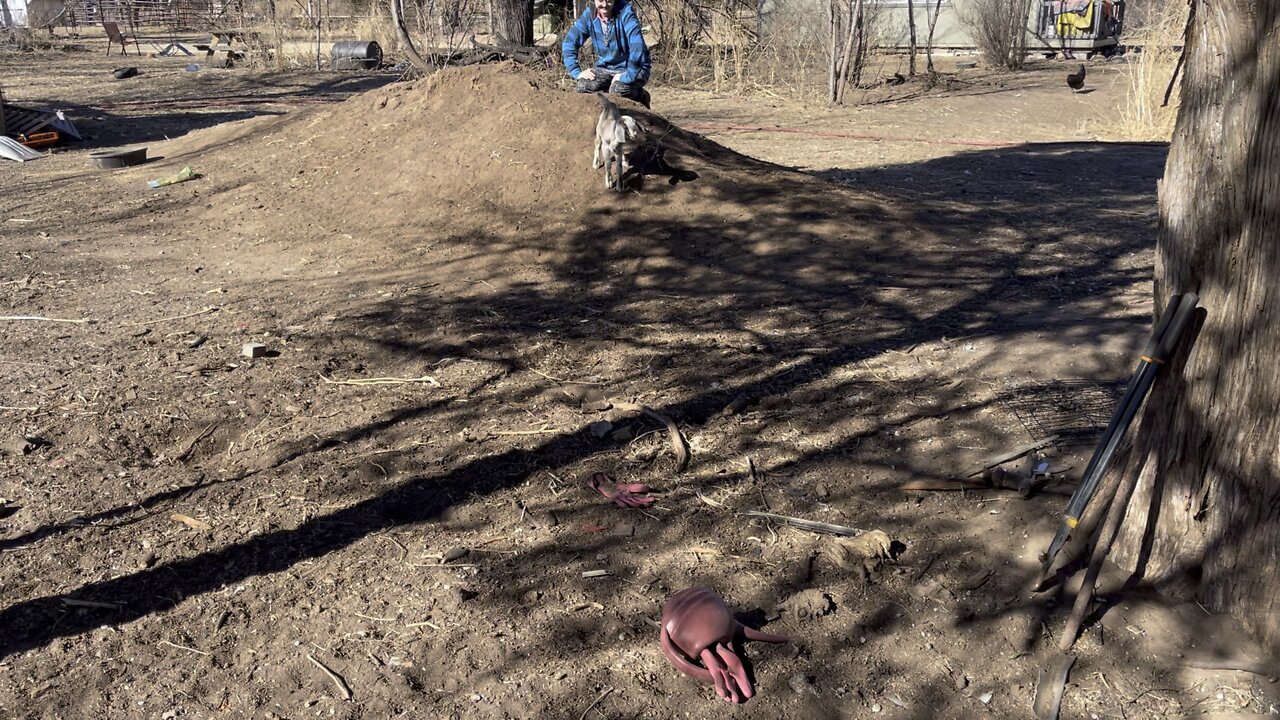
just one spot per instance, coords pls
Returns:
(1148, 74)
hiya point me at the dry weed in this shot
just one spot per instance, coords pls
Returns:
(1148, 74)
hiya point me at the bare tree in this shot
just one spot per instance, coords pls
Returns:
(845, 68)
(928, 42)
(1000, 30)
(911, 37)
(402, 32)
(1206, 452)
(313, 13)
(6, 18)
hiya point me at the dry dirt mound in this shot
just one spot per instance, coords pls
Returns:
(485, 148)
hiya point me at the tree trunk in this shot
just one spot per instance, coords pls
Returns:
(513, 22)
(402, 31)
(911, 38)
(1207, 451)
(833, 66)
(928, 43)
(842, 75)
(6, 18)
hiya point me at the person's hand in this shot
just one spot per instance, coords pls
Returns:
(587, 74)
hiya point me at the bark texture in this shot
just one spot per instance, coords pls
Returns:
(513, 22)
(1207, 451)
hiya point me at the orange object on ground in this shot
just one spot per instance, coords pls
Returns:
(44, 139)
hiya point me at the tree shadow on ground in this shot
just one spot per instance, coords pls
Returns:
(784, 293)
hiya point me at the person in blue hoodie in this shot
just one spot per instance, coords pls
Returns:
(622, 59)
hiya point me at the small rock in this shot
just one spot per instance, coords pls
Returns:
(985, 698)
(253, 350)
(455, 554)
(600, 428)
(822, 491)
(451, 685)
(800, 684)
(462, 594)
(875, 707)
(148, 559)
(546, 518)
(196, 341)
(624, 434)
(961, 682)
(624, 530)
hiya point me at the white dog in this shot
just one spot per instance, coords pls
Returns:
(616, 135)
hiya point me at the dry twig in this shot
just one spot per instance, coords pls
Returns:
(182, 647)
(384, 381)
(678, 442)
(44, 319)
(810, 525)
(211, 308)
(335, 677)
(602, 696)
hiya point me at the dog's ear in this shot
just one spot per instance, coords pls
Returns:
(633, 128)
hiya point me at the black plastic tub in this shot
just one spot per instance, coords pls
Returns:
(112, 159)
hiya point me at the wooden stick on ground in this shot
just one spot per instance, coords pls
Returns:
(384, 381)
(182, 647)
(44, 319)
(602, 696)
(678, 442)
(335, 677)
(186, 452)
(211, 308)
(810, 525)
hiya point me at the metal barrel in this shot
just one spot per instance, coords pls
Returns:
(353, 54)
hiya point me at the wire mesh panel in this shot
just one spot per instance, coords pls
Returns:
(1076, 410)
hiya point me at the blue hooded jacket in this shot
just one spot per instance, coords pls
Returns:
(621, 51)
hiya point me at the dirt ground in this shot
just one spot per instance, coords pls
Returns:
(395, 491)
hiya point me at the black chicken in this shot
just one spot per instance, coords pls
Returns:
(1075, 80)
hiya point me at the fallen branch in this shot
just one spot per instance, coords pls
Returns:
(18, 407)
(44, 319)
(602, 696)
(335, 677)
(384, 381)
(810, 525)
(211, 308)
(678, 442)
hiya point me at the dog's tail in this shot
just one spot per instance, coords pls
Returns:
(607, 106)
